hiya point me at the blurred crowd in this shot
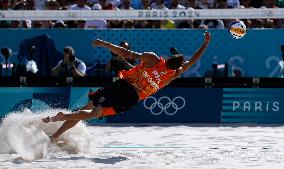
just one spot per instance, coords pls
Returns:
(137, 4)
(69, 65)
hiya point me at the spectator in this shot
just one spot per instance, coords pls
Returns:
(64, 8)
(167, 24)
(158, 4)
(202, 26)
(258, 23)
(18, 4)
(191, 4)
(204, 4)
(115, 3)
(256, 3)
(52, 5)
(175, 5)
(106, 5)
(221, 4)
(280, 3)
(269, 23)
(129, 24)
(60, 24)
(125, 5)
(15, 24)
(43, 24)
(99, 23)
(233, 3)
(186, 24)
(27, 24)
(214, 24)
(37, 24)
(5, 5)
(81, 24)
(280, 23)
(23, 5)
(248, 23)
(5, 24)
(246, 3)
(69, 65)
(269, 3)
(145, 4)
(143, 24)
(30, 5)
(115, 24)
(80, 5)
(118, 63)
(62, 3)
(157, 24)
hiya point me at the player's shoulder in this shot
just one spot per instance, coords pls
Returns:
(150, 58)
(178, 72)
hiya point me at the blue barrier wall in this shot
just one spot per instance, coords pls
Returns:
(170, 105)
(255, 105)
(256, 55)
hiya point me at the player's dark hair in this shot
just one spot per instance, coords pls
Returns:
(175, 62)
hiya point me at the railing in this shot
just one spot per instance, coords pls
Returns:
(204, 82)
(142, 14)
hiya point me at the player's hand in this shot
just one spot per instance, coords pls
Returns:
(97, 42)
(207, 37)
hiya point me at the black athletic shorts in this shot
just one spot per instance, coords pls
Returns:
(120, 95)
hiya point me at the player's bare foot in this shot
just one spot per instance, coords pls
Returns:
(46, 119)
(52, 139)
(58, 117)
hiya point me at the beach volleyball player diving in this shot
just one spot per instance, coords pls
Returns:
(134, 85)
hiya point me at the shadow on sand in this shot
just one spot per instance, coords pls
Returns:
(110, 160)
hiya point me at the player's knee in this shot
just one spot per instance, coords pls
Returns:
(96, 113)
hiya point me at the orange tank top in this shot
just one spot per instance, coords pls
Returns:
(148, 80)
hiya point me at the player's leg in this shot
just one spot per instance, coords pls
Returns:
(65, 126)
(69, 123)
(78, 115)
(73, 119)
(48, 119)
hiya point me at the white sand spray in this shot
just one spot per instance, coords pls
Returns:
(24, 134)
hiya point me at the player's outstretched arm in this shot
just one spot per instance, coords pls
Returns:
(197, 55)
(117, 49)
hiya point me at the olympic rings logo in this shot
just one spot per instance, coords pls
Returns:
(70, 14)
(164, 104)
(267, 13)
